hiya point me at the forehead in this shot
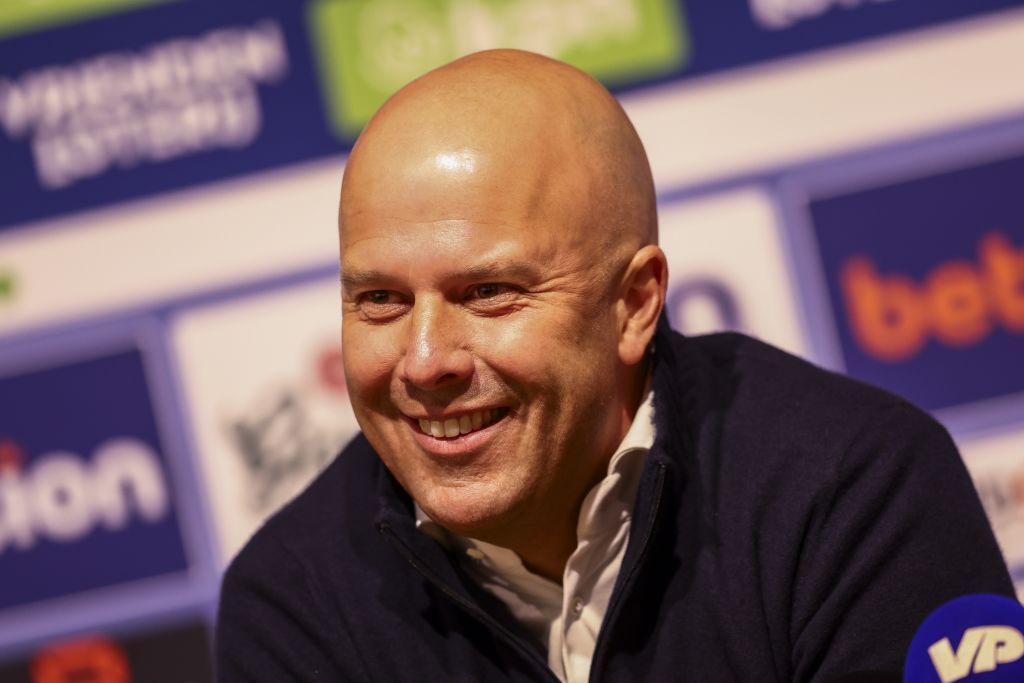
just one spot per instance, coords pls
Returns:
(455, 201)
(428, 180)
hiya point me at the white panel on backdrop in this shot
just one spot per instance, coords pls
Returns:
(849, 98)
(176, 244)
(728, 270)
(996, 464)
(265, 394)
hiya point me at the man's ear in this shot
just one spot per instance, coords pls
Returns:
(643, 297)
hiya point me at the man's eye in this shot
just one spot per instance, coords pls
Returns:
(493, 298)
(377, 297)
(489, 291)
(380, 305)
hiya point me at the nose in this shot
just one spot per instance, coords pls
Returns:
(435, 355)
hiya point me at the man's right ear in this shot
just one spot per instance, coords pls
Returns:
(643, 298)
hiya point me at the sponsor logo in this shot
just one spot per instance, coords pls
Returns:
(369, 48)
(7, 286)
(85, 499)
(703, 304)
(958, 303)
(996, 465)
(62, 497)
(282, 439)
(782, 14)
(713, 288)
(926, 281)
(974, 637)
(171, 99)
(981, 649)
(89, 660)
(179, 654)
(263, 432)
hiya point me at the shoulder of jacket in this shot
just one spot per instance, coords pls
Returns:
(338, 505)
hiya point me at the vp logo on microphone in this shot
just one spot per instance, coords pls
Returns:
(972, 638)
(981, 649)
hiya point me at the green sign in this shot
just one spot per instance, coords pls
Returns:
(6, 287)
(22, 16)
(368, 49)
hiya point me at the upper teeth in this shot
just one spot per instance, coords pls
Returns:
(455, 426)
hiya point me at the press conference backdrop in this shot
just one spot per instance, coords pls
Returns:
(839, 177)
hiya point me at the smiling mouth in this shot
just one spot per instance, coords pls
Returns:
(464, 424)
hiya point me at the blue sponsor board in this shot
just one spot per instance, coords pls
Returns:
(85, 497)
(154, 99)
(167, 96)
(926, 282)
(734, 33)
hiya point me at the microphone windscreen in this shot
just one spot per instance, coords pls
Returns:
(974, 638)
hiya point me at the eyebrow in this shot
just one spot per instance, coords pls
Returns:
(502, 269)
(363, 278)
(518, 270)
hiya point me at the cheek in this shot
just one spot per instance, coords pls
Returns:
(369, 358)
(521, 349)
(548, 354)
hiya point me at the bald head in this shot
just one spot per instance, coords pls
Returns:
(539, 131)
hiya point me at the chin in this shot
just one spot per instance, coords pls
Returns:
(477, 515)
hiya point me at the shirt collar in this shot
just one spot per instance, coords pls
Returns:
(640, 435)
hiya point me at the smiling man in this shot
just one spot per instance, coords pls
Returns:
(498, 300)
(550, 483)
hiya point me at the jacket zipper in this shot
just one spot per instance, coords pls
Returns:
(470, 607)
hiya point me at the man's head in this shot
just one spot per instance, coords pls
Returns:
(500, 273)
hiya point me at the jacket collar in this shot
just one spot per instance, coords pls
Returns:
(676, 380)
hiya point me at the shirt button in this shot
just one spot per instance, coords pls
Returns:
(475, 554)
(577, 606)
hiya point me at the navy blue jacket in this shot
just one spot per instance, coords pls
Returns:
(791, 525)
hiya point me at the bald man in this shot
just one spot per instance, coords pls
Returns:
(551, 484)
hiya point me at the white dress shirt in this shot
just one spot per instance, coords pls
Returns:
(565, 619)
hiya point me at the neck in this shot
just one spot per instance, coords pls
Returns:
(548, 551)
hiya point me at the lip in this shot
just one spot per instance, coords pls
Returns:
(464, 444)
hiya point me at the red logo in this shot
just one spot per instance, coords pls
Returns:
(958, 303)
(11, 456)
(89, 660)
(331, 369)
